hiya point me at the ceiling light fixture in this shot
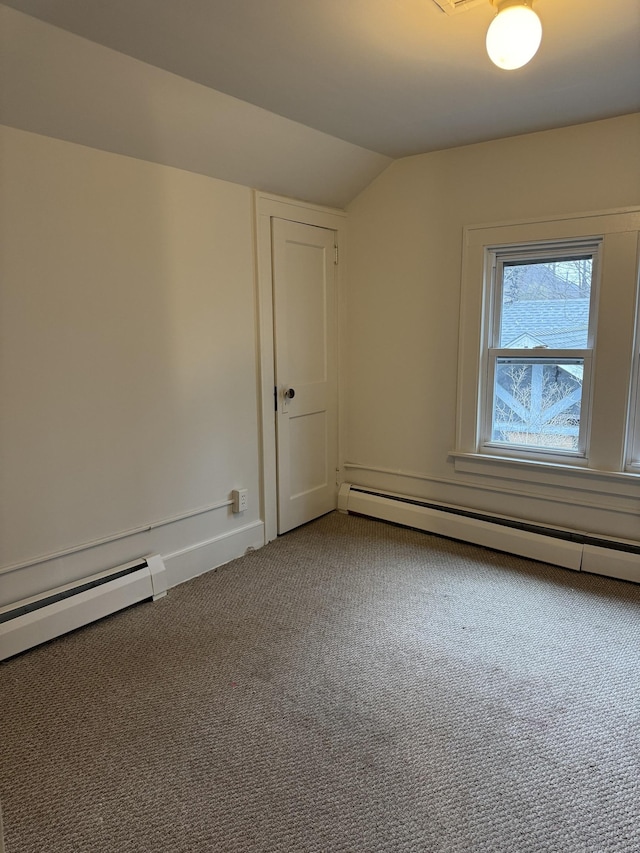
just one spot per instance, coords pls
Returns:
(514, 34)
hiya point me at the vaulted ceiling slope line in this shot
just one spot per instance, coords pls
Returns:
(61, 85)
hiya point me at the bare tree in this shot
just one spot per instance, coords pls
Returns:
(536, 405)
(566, 279)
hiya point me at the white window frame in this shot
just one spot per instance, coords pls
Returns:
(633, 428)
(496, 259)
(610, 464)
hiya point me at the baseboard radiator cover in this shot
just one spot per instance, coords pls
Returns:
(31, 621)
(559, 547)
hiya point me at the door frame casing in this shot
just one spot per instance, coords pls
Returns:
(266, 208)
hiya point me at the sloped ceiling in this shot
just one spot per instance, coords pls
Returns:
(394, 76)
(308, 98)
(58, 84)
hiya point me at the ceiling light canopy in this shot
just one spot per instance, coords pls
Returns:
(514, 35)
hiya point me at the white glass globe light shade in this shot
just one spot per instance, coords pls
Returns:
(514, 37)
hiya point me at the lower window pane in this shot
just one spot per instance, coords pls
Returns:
(537, 403)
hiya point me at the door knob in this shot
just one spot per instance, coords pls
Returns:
(290, 393)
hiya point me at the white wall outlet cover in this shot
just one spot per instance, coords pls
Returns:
(240, 498)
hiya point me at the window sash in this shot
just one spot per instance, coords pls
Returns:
(547, 253)
(583, 357)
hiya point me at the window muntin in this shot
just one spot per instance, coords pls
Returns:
(539, 349)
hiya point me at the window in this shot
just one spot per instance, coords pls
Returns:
(549, 358)
(539, 353)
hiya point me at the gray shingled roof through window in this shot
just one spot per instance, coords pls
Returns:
(556, 323)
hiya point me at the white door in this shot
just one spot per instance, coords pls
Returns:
(305, 333)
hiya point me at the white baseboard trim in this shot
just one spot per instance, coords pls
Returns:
(454, 524)
(200, 558)
(33, 620)
(538, 492)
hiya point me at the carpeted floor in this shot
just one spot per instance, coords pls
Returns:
(351, 687)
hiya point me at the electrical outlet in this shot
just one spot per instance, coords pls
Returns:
(240, 498)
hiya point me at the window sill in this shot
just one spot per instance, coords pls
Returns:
(536, 472)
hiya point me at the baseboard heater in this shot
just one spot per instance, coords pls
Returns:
(36, 620)
(560, 547)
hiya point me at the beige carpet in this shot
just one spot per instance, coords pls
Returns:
(351, 687)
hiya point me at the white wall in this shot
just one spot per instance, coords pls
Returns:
(127, 362)
(405, 248)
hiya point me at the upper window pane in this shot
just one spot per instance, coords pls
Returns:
(546, 304)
